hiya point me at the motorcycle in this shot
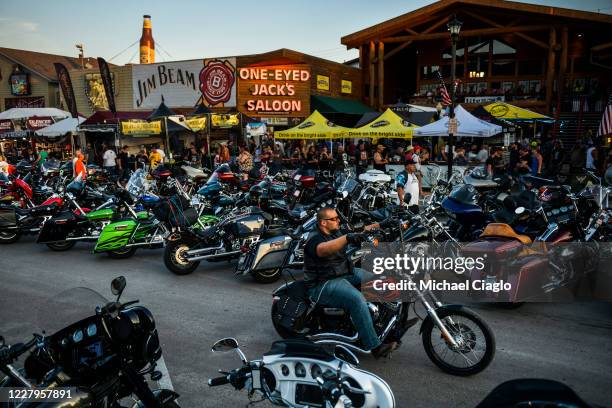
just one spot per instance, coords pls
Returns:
(103, 358)
(455, 338)
(297, 373)
(225, 240)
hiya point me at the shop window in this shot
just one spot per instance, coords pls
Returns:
(503, 68)
(531, 67)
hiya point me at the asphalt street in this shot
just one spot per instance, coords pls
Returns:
(569, 342)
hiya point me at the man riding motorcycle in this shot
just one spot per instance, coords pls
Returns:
(332, 280)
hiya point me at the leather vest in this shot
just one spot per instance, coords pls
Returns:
(317, 269)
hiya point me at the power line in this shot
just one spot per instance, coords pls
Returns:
(136, 53)
(162, 49)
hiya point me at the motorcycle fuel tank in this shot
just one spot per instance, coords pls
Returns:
(100, 215)
(248, 225)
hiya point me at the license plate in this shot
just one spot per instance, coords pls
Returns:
(296, 193)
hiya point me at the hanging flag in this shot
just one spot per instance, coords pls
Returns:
(605, 127)
(63, 77)
(446, 99)
(107, 80)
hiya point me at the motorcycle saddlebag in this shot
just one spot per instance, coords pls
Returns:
(292, 306)
(8, 219)
(57, 228)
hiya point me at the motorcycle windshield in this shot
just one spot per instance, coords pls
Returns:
(51, 164)
(66, 308)
(465, 194)
(137, 183)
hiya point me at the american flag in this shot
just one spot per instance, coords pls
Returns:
(446, 99)
(605, 127)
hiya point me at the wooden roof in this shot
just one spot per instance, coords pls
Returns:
(439, 8)
(42, 64)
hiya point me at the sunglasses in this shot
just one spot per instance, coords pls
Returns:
(332, 219)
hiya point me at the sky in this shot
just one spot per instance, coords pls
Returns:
(189, 29)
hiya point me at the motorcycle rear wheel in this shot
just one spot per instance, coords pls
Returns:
(463, 328)
(122, 253)
(174, 261)
(7, 237)
(61, 245)
(267, 276)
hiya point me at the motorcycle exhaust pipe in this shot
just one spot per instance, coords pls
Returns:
(95, 238)
(199, 258)
(203, 250)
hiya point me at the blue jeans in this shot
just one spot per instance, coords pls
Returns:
(342, 293)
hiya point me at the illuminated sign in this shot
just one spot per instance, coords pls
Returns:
(274, 90)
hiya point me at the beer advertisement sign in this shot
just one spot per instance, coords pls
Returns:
(140, 127)
(218, 82)
(178, 82)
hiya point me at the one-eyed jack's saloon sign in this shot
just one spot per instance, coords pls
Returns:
(280, 90)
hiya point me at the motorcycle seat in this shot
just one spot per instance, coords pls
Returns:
(505, 231)
(299, 348)
(379, 214)
(322, 185)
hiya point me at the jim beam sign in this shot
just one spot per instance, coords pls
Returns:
(176, 81)
(280, 90)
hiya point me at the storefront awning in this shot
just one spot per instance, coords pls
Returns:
(327, 104)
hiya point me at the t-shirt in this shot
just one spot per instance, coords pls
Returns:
(590, 162)
(123, 159)
(482, 156)
(335, 265)
(79, 169)
(109, 158)
(162, 154)
(410, 183)
(43, 157)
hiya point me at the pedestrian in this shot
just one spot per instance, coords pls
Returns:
(591, 157)
(79, 170)
(536, 159)
(162, 154)
(142, 158)
(123, 161)
(361, 158)
(459, 159)
(483, 154)
(380, 163)
(4, 168)
(41, 158)
(109, 159)
(311, 158)
(409, 181)
(245, 162)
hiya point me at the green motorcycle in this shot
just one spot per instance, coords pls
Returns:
(148, 229)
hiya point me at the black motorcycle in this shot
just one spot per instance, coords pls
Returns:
(455, 338)
(102, 359)
(225, 240)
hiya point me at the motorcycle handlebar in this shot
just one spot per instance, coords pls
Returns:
(213, 382)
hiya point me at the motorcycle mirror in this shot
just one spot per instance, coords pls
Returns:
(226, 344)
(346, 355)
(407, 197)
(118, 285)
(344, 194)
(519, 210)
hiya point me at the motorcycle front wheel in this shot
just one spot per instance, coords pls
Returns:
(475, 340)
(174, 258)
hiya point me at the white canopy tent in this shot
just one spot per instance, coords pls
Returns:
(24, 113)
(468, 125)
(61, 128)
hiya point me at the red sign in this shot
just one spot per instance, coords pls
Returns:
(216, 81)
(27, 102)
(6, 126)
(38, 122)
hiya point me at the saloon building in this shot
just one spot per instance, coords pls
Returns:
(553, 60)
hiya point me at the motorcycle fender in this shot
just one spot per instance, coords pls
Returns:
(163, 395)
(115, 235)
(8, 218)
(271, 253)
(448, 307)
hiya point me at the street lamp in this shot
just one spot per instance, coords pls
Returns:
(454, 26)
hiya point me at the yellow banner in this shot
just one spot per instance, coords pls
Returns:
(140, 127)
(323, 82)
(347, 87)
(224, 121)
(196, 124)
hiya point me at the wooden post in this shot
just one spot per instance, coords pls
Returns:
(372, 75)
(362, 65)
(550, 71)
(562, 62)
(381, 74)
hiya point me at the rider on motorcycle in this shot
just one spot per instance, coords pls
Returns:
(332, 280)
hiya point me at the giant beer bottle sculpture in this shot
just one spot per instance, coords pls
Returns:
(147, 45)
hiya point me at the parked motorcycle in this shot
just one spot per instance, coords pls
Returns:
(223, 241)
(297, 373)
(104, 357)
